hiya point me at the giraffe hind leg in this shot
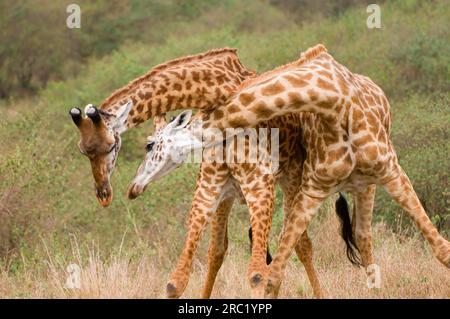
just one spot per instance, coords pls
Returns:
(362, 215)
(362, 228)
(401, 189)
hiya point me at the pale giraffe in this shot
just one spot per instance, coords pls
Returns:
(239, 178)
(349, 149)
(202, 81)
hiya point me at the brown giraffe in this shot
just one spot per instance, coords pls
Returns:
(218, 185)
(349, 149)
(201, 81)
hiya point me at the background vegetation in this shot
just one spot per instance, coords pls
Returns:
(49, 216)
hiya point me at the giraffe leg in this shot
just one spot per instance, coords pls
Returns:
(305, 254)
(401, 189)
(289, 185)
(260, 199)
(362, 221)
(218, 244)
(180, 276)
(204, 205)
(303, 209)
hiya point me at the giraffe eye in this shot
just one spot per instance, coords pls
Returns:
(149, 146)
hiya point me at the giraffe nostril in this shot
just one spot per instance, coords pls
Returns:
(104, 194)
(131, 193)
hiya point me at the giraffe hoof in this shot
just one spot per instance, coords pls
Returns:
(270, 288)
(447, 262)
(172, 291)
(255, 280)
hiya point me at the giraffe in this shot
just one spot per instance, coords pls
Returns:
(239, 178)
(348, 149)
(201, 81)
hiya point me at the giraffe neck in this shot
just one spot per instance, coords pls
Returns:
(320, 86)
(202, 81)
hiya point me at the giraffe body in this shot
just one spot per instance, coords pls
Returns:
(348, 149)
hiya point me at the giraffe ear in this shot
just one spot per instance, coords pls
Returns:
(181, 120)
(120, 125)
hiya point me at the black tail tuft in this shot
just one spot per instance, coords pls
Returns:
(343, 213)
(268, 256)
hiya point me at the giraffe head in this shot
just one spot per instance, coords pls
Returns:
(100, 142)
(165, 151)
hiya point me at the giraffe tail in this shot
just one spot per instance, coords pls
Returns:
(402, 191)
(268, 255)
(343, 213)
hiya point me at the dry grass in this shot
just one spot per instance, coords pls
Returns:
(408, 271)
(46, 186)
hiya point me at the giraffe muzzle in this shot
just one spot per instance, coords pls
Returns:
(134, 191)
(104, 195)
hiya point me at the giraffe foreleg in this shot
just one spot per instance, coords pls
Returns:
(204, 205)
(304, 250)
(303, 209)
(179, 278)
(218, 244)
(260, 201)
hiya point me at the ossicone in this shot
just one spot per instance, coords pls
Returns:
(93, 113)
(75, 113)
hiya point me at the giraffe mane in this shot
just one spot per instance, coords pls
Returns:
(305, 57)
(162, 67)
